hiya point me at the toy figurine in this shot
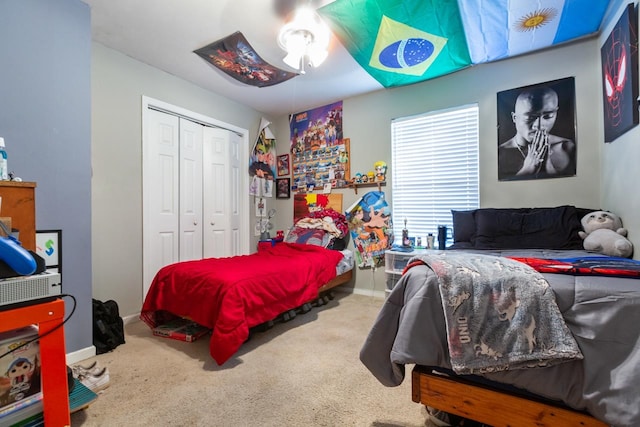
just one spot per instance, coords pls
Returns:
(381, 170)
(371, 176)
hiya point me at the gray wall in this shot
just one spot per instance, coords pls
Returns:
(367, 121)
(45, 118)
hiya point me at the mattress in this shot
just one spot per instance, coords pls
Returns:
(601, 312)
(231, 295)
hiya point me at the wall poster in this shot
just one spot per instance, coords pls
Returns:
(262, 162)
(370, 225)
(283, 165)
(303, 204)
(319, 151)
(620, 76)
(234, 56)
(537, 131)
(283, 188)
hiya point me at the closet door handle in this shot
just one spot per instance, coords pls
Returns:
(195, 222)
(213, 223)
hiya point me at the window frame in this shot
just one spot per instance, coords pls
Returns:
(429, 136)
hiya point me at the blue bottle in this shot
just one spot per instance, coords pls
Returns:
(4, 172)
(442, 237)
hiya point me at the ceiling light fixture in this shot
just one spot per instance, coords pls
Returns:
(305, 39)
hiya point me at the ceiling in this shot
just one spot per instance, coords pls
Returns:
(164, 34)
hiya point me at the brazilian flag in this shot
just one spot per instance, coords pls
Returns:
(400, 42)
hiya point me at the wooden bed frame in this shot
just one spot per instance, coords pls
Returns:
(324, 295)
(336, 281)
(490, 406)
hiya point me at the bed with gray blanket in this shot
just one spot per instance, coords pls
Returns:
(570, 336)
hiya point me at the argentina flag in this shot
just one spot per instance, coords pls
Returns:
(400, 42)
(502, 28)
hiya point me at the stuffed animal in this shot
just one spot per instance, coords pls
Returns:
(603, 233)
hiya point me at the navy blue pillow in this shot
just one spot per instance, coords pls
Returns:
(528, 228)
(464, 226)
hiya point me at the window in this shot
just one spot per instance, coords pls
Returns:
(434, 169)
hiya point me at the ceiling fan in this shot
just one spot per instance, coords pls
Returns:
(304, 36)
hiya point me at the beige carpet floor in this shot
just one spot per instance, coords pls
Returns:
(304, 372)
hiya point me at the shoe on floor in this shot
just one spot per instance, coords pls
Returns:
(95, 381)
(79, 370)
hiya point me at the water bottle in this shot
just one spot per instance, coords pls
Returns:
(442, 237)
(430, 241)
(4, 172)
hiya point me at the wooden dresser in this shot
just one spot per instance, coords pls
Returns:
(19, 203)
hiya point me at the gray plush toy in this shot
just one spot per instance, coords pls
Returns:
(603, 233)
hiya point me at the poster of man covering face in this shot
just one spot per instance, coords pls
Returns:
(537, 131)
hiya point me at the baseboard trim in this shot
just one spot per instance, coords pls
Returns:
(131, 318)
(80, 355)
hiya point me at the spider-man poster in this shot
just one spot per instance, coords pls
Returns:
(620, 76)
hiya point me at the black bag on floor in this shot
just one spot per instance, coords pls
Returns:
(108, 327)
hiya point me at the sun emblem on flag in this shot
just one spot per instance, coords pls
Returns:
(535, 20)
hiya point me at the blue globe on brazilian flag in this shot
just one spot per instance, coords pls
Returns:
(400, 42)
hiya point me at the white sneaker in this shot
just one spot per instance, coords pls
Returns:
(95, 381)
(437, 417)
(79, 370)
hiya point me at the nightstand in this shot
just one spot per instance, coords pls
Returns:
(394, 264)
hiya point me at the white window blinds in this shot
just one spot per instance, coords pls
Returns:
(434, 169)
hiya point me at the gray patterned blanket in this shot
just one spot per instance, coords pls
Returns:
(500, 314)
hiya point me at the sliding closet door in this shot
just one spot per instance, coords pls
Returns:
(221, 192)
(161, 190)
(190, 217)
(191, 192)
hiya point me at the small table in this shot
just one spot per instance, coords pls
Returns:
(55, 389)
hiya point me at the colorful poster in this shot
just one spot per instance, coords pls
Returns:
(319, 151)
(262, 163)
(311, 129)
(620, 76)
(234, 56)
(303, 204)
(371, 229)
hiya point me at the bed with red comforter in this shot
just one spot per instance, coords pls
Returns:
(232, 295)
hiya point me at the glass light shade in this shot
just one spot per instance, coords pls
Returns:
(293, 60)
(305, 37)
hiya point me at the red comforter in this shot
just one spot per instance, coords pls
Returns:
(231, 295)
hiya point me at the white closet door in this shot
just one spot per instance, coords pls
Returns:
(192, 199)
(235, 171)
(221, 171)
(190, 190)
(161, 194)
